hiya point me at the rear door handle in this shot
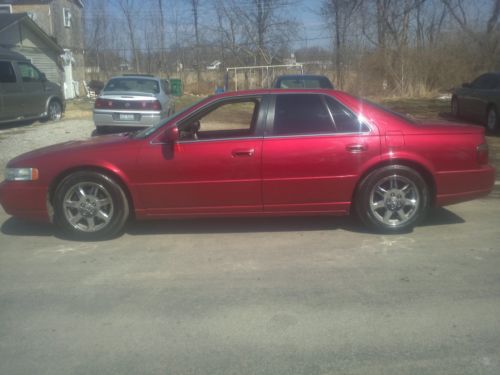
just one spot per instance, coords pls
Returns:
(243, 153)
(355, 148)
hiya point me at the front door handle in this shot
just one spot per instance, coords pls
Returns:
(356, 148)
(243, 153)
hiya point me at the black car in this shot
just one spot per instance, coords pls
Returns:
(303, 81)
(479, 100)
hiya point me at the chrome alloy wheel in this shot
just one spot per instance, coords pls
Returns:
(88, 207)
(394, 200)
(55, 111)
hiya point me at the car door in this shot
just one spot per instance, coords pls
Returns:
(215, 167)
(11, 92)
(313, 153)
(475, 107)
(33, 88)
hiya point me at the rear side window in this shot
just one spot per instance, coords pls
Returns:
(345, 121)
(7, 74)
(301, 114)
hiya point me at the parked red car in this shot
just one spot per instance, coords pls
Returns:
(254, 153)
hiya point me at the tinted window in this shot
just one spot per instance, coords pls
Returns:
(345, 120)
(301, 114)
(28, 72)
(305, 82)
(7, 74)
(133, 85)
(484, 82)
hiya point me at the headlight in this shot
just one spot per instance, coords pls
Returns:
(21, 174)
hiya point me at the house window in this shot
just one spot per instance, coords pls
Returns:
(5, 9)
(67, 17)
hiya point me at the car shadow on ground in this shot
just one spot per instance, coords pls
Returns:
(16, 124)
(438, 216)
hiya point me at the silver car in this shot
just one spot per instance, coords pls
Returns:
(132, 101)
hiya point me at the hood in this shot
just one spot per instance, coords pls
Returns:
(79, 146)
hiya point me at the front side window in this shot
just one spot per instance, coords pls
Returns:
(7, 74)
(483, 82)
(29, 73)
(235, 119)
(301, 114)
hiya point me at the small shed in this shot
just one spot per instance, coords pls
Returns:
(19, 33)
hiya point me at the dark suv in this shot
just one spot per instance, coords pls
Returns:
(303, 81)
(25, 92)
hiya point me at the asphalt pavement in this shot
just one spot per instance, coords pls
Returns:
(255, 296)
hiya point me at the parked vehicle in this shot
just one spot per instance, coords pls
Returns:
(25, 92)
(479, 100)
(132, 101)
(302, 81)
(263, 152)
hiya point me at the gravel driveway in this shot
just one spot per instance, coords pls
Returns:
(17, 139)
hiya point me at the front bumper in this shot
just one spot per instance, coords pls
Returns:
(25, 200)
(126, 118)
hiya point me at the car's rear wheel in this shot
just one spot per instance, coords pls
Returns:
(392, 198)
(492, 119)
(54, 111)
(90, 205)
(455, 109)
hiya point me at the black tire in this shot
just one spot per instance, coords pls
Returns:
(392, 199)
(89, 206)
(100, 130)
(492, 120)
(54, 110)
(455, 107)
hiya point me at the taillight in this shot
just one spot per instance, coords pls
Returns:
(103, 103)
(152, 105)
(482, 153)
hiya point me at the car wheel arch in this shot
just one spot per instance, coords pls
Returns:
(90, 168)
(420, 168)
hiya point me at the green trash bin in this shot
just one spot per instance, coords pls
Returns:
(176, 86)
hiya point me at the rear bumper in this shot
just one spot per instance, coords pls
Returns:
(24, 200)
(112, 118)
(456, 187)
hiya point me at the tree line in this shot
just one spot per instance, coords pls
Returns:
(401, 47)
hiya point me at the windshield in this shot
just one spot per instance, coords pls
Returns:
(147, 131)
(133, 85)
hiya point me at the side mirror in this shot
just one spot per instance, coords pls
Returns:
(171, 135)
(466, 85)
(43, 77)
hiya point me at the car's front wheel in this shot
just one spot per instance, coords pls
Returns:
(492, 119)
(90, 205)
(392, 198)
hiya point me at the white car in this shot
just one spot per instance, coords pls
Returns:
(132, 101)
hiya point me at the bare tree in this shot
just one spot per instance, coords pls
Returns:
(128, 8)
(339, 14)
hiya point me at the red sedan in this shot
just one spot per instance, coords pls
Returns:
(254, 153)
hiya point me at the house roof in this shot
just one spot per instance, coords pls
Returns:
(80, 3)
(8, 20)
